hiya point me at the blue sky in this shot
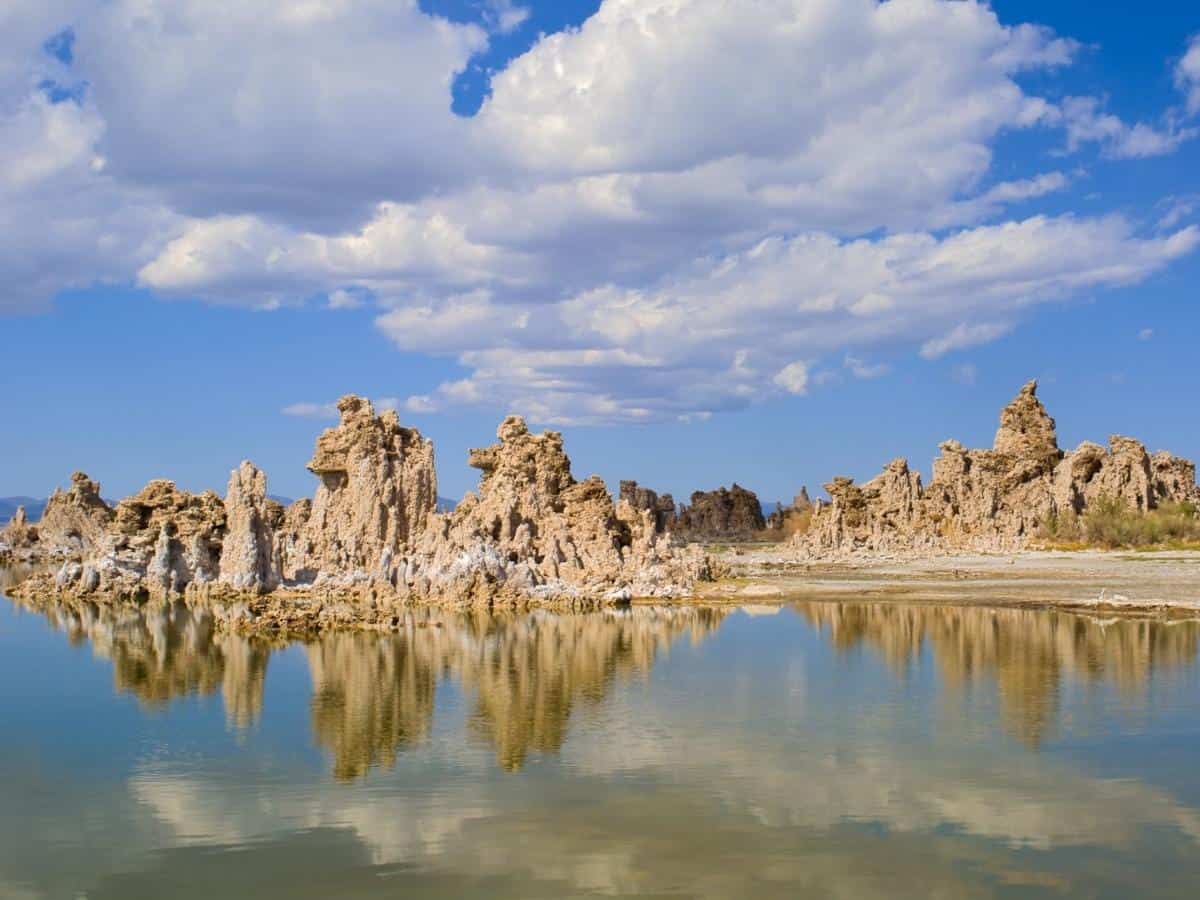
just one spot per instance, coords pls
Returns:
(766, 242)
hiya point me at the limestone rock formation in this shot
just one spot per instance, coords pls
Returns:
(249, 557)
(378, 486)
(18, 534)
(994, 499)
(801, 505)
(642, 498)
(75, 520)
(723, 514)
(532, 530)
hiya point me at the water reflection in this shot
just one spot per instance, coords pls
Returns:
(1026, 653)
(162, 653)
(373, 696)
(852, 749)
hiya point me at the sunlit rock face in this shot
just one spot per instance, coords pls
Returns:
(994, 499)
(249, 556)
(530, 533)
(531, 529)
(378, 485)
(75, 520)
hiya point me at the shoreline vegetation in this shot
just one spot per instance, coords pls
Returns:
(371, 542)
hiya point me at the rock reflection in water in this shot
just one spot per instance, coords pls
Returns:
(165, 652)
(373, 696)
(1025, 652)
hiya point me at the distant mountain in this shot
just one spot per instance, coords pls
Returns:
(8, 508)
(445, 504)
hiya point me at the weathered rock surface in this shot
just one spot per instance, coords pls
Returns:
(249, 557)
(642, 498)
(533, 530)
(993, 499)
(371, 536)
(18, 534)
(378, 487)
(75, 520)
(801, 504)
(722, 514)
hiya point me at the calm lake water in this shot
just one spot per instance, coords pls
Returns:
(825, 750)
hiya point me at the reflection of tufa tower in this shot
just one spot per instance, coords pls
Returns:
(161, 653)
(1025, 653)
(373, 696)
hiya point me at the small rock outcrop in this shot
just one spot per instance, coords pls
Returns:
(723, 514)
(801, 505)
(75, 520)
(993, 499)
(17, 533)
(249, 557)
(662, 508)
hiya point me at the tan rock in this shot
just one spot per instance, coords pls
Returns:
(378, 486)
(531, 530)
(75, 520)
(249, 559)
(993, 499)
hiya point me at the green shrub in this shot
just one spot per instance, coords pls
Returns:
(1112, 523)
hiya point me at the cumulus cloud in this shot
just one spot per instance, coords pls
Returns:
(1086, 122)
(1187, 75)
(725, 331)
(638, 224)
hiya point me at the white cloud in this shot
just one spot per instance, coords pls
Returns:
(505, 16)
(681, 346)
(793, 378)
(1086, 122)
(1187, 75)
(861, 369)
(310, 112)
(962, 336)
(638, 225)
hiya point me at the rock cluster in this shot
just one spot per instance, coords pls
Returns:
(723, 514)
(642, 498)
(533, 530)
(993, 499)
(530, 532)
(801, 504)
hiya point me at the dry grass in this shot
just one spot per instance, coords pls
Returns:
(1111, 524)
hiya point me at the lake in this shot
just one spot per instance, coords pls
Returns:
(811, 749)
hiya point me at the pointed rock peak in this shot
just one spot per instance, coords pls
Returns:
(19, 519)
(1026, 429)
(511, 428)
(352, 407)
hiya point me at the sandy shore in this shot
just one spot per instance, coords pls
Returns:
(1117, 581)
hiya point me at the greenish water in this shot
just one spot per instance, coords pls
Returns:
(823, 750)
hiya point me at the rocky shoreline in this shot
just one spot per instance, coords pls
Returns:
(368, 541)
(371, 545)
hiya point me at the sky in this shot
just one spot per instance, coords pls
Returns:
(764, 241)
